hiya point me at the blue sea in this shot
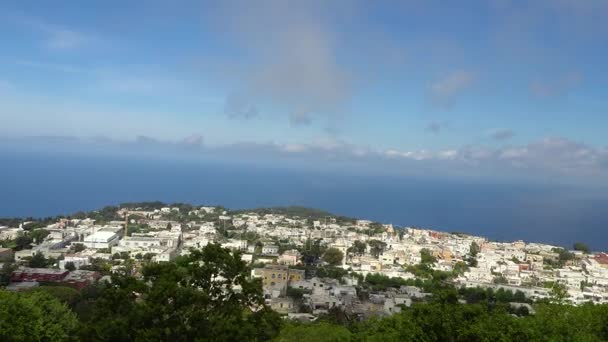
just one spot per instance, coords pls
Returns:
(45, 184)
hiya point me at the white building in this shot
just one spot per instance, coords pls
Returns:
(101, 239)
(139, 242)
(270, 250)
(77, 260)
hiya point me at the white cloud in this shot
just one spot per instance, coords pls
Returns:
(552, 158)
(55, 67)
(55, 37)
(61, 38)
(5, 86)
(556, 86)
(299, 60)
(444, 91)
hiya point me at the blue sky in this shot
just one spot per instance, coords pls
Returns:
(493, 84)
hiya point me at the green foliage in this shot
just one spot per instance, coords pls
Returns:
(10, 221)
(23, 242)
(137, 228)
(312, 251)
(38, 235)
(64, 294)
(105, 214)
(460, 267)
(322, 332)
(35, 316)
(331, 272)
(184, 301)
(564, 256)
(475, 295)
(195, 298)
(358, 247)
(423, 271)
(39, 261)
(376, 247)
(579, 246)
(426, 257)
(5, 273)
(70, 266)
(374, 229)
(143, 205)
(333, 256)
(295, 293)
(500, 279)
(471, 261)
(303, 212)
(98, 265)
(379, 282)
(558, 293)
(77, 247)
(474, 249)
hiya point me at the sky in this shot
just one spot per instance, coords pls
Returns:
(494, 88)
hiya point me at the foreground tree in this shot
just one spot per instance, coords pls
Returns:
(314, 333)
(206, 295)
(35, 316)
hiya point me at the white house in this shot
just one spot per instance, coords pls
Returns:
(101, 239)
(270, 250)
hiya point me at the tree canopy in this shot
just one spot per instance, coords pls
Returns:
(333, 256)
(35, 316)
(579, 246)
(204, 295)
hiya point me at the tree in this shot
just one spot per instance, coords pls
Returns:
(64, 294)
(579, 246)
(38, 261)
(500, 280)
(333, 256)
(312, 251)
(474, 249)
(358, 247)
(23, 242)
(193, 298)
(35, 316)
(460, 267)
(376, 247)
(471, 261)
(6, 272)
(563, 256)
(70, 266)
(38, 235)
(314, 333)
(426, 257)
(558, 293)
(77, 247)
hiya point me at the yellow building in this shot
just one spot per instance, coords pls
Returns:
(273, 275)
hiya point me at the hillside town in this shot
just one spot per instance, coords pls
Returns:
(308, 262)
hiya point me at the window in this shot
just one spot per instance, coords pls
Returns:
(273, 276)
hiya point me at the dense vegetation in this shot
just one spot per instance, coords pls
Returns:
(195, 299)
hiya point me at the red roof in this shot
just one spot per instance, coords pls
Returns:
(602, 258)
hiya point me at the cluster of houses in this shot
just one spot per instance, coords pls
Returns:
(274, 245)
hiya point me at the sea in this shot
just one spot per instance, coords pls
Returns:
(40, 184)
